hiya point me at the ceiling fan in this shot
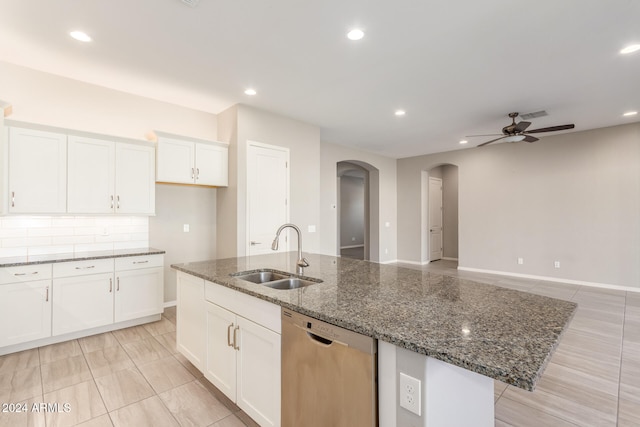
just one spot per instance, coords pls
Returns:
(518, 131)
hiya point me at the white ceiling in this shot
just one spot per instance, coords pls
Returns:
(456, 66)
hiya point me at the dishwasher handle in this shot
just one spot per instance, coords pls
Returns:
(319, 339)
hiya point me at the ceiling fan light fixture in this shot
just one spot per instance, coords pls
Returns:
(630, 49)
(514, 138)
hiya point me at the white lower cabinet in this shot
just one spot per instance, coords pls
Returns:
(25, 311)
(190, 328)
(242, 356)
(84, 301)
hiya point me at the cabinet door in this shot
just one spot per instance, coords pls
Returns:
(139, 293)
(91, 180)
(190, 325)
(135, 183)
(176, 161)
(25, 312)
(212, 165)
(37, 171)
(221, 355)
(82, 302)
(259, 373)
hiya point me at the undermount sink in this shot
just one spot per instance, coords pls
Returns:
(275, 280)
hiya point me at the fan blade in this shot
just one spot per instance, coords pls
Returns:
(488, 134)
(528, 138)
(551, 129)
(522, 126)
(493, 140)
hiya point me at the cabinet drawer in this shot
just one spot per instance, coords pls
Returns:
(259, 311)
(136, 262)
(25, 273)
(82, 268)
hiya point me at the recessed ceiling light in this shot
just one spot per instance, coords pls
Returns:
(355, 34)
(400, 113)
(630, 49)
(464, 141)
(80, 36)
(630, 113)
(250, 92)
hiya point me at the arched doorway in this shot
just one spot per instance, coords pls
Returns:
(440, 213)
(357, 210)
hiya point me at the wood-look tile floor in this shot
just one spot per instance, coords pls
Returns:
(131, 377)
(135, 377)
(593, 378)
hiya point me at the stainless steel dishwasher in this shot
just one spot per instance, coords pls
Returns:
(328, 374)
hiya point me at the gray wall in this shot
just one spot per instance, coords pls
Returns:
(574, 198)
(352, 211)
(177, 205)
(450, 211)
(385, 180)
(241, 124)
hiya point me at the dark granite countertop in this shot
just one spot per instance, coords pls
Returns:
(76, 256)
(501, 333)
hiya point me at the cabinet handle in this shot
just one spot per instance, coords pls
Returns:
(235, 340)
(46, 298)
(112, 201)
(24, 274)
(110, 285)
(85, 268)
(193, 173)
(118, 284)
(197, 173)
(13, 199)
(229, 335)
(118, 202)
(140, 262)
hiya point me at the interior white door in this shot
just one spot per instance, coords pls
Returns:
(267, 196)
(435, 219)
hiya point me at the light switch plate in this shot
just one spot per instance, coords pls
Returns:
(410, 393)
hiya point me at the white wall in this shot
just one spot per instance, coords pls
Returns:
(330, 155)
(574, 198)
(48, 99)
(242, 123)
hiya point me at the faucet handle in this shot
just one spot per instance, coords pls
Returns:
(303, 262)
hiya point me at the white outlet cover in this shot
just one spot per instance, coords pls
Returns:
(311, 229)
(410, 389)
(185, 228)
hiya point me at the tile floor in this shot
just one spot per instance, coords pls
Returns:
(593, 378)
(131, 377)
(135, 377)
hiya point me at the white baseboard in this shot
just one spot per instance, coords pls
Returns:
(391, 261)
(449, 259)
(552, 279)
(403, 261)
(170, 303)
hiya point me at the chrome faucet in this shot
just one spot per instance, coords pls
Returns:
(302, 262)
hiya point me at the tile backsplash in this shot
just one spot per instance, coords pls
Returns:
(39, 235)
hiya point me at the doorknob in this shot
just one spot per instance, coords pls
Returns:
(255, 243)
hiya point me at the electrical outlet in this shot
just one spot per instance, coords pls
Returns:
(520, 261)
(556, 264)
(185, 228)
(410, 394)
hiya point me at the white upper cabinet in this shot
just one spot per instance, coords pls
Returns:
(135, 183)
(91, 179)
(37, 171)
(187, 161)
(107, 177)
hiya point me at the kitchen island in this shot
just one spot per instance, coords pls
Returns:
(420, 319)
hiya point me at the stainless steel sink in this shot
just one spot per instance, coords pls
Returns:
(290, 283)
(275, 279)
(261, 276)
